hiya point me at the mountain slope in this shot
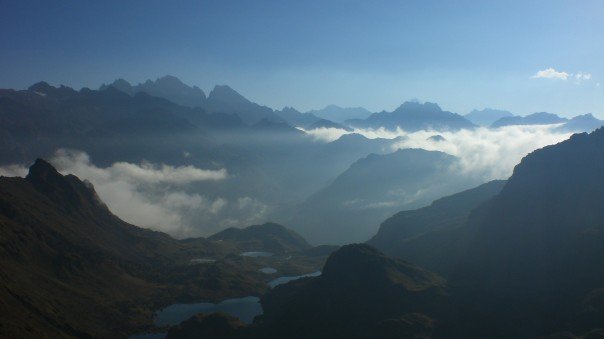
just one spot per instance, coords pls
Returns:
(535, 256)
(438, 227)
(372, 189)
(223, 99)
(361, 293)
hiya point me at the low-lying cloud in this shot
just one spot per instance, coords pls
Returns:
(484, 153)
(156, 196)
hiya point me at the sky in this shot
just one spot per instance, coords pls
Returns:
(523, 56)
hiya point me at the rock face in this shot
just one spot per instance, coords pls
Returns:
(361, 293)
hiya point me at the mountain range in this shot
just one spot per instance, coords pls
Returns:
(413, 116)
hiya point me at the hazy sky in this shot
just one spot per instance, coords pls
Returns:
(524, 56)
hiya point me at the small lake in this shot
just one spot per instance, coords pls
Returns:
(254, 254)
(243, 308)
(268, 270)
(283, 280)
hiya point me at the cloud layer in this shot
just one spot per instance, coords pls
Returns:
(484, 153)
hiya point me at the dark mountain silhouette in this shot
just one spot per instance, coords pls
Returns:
(487, 116)
(581, 123)
(340, 114)
(414, 116)
(40, 120)
(372, 189)
(295, 118)
(408, 234)
(360, 294)
(223, 99)
(540, 118)
(271, 237)
(538, 244)
(323, 123)
(168, 87)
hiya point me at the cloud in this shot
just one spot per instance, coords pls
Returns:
(579, 77)
(144, 173)
(13, 171)
(551, 73)
(158, 196)
(484, 153)
(324, 134)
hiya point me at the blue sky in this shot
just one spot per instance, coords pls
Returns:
(307, 54)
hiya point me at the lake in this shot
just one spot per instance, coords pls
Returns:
(245, 308)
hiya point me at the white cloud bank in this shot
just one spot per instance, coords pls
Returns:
(156, 196)
(484, 153)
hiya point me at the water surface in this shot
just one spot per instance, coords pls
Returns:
(243, 308)
(283, 280)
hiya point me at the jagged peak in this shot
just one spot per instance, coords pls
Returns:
(416, 105)
(42, 170)
(224, 92)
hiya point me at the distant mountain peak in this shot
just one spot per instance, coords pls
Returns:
(424, 107)
(168, 87)
(41, 87)
(226, 93)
